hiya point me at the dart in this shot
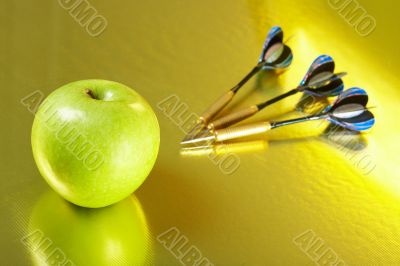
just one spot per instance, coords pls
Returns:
(348, 111)
(275, 55)
(318, 81)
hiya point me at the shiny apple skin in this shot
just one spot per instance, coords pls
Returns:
(95, 141)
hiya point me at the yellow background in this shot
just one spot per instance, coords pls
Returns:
(292, 181)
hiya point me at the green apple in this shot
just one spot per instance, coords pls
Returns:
(60, 233)
(95, 141)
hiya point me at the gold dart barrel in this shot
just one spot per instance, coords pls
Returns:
(216, 107)
(233, 118)
(225, 148)
(241, 131)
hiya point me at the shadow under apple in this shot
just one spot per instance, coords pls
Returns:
(61, 233)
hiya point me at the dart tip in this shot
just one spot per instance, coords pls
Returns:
(186, 141)
(194, 132)
(202, 136)
(198, 140)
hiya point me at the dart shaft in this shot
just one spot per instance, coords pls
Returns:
(246, 78)
(276, 99)
(296, 120)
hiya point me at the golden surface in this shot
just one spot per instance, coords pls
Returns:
(293, 181)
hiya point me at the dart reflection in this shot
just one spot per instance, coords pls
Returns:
(61, 233)
(349, 139)
(311, 104)
(267, 80)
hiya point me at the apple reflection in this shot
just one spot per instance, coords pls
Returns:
(61, 233)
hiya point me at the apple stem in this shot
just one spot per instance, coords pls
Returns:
(90, 93)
